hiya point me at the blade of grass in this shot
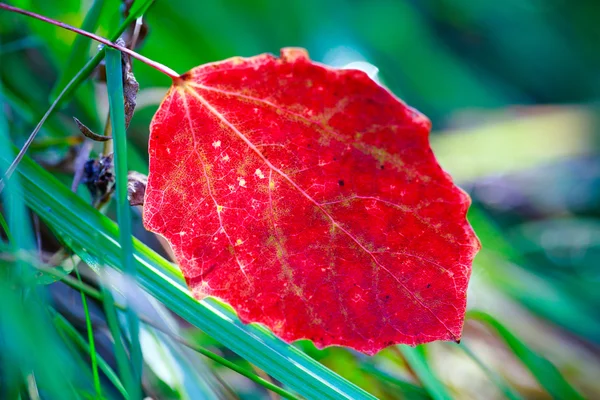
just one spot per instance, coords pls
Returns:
(92, 231)
(72, 333)
(73, 84)
(4, 226)
(407, 390)
(10, 323)
(79, 48)
(114, 75)
(542, 296)
(138, 9)
(191, 378)
(92, 292)
(543, 370)
(92, 345)
(228, 364)
(419, 365)
(18, 223)
(106, 42)
(492, 376)
(113, 325)
(23, 318)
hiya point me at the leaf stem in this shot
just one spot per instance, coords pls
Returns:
(158, 66)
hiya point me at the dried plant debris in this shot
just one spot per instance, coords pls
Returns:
(87, 132)
(98, 175)
(130, 87)
(130, 84)
(136, 188)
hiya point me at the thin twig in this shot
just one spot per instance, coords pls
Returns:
(85, 70)
(158, 66)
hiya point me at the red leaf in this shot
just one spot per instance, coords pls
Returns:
(308, 198)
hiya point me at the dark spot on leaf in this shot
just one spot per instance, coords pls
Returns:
(381, 166)
(341, 182)
(428, 285)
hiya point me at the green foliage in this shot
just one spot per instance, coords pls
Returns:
(417, 362)
(546, 373)
(463, 63)
(114, 78)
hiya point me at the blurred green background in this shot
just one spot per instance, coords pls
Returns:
(512, 90)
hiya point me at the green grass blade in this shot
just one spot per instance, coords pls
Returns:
(9, 271)
(72, 333)
(79, 48)
(407, 390)
(137, 10)
(92, 344)
(543, 370)
(95, 233)
(497, 380)
(417, 362)
(543, 296)
(113, 325)
(18, 223)
(4, 226)
(23, 320)
(114, 75)
(74, 83)
(155, 328)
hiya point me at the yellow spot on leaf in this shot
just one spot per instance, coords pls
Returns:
(238, 242)
(216, 144)
(259, 173)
